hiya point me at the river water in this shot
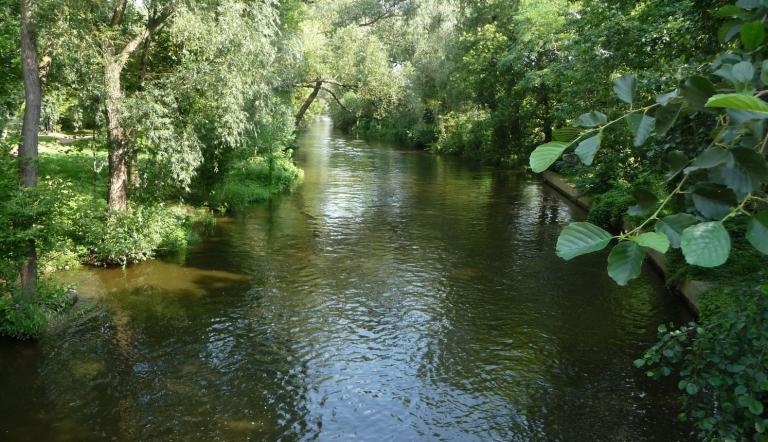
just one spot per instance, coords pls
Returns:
(395, 295)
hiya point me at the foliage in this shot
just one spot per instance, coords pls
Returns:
(708, 139)
(723, 376)
(132, 235)
(608, 209)
(722, 181)
(22, 318)
(254, 180)
(467, 133)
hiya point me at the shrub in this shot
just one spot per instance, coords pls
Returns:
(608, 209)
(255, 180)
(721, 364)
(135, 234)
(24, 318)
(468, 133)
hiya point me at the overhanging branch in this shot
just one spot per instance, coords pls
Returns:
(336, 98)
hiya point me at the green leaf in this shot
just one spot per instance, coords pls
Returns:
(591, 119)
(748, 4)
(748, 172)
(652, 240)
(751, 162)
(676, 160)
(566, 134)
(691, 388)
(697, 91)
(740, 117)
(712, 157)
(625, 87)
(633, 122)
(729, 11)
(757, 232)
(726, 72)
(743, 72)
(713, 201)
(728, 30)
(764, 72)
(739, 102)
(666, 117)
(546, 154)
(644, 130)
(581, 238)
(646, 201)
(674, 225)
(756, 407)
(666, 98)
(706, 244)
(752, 35)
(625, 262)
(588, 148)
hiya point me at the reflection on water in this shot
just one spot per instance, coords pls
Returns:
(394, 296)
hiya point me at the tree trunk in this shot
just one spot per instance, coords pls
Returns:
(30, 133)
(308, 102)
(117, 197)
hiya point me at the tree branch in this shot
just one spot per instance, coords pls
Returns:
(336, 98)
(153, 24)
(389, 12)
(311, 84)
(118, 14)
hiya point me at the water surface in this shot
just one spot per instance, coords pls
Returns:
(395, 295)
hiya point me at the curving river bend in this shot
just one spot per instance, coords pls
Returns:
(395, 295)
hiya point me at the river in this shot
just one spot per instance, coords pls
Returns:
(395, 295)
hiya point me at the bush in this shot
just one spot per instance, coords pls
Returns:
(23, 318)
(608, 209)
(255, 180)
(468, 133)
(135, 234)
(721, 363)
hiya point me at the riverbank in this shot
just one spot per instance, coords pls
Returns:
(67, 217)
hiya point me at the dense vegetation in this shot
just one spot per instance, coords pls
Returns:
(160, 111)
(156, 113)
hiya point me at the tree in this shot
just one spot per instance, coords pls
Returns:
(115, 59)
(30, 130)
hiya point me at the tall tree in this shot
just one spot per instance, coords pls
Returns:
(30, 130)
(114, 63)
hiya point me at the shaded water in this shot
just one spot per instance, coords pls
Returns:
(394, 296)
